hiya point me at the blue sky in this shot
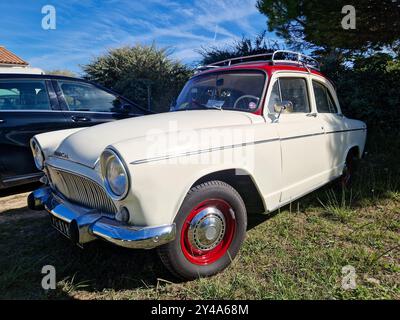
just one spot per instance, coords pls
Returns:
(87, 28)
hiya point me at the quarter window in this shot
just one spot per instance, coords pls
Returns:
(275, 97)
(323, 99)
(24, 95)
(290, 89)
(86, 97)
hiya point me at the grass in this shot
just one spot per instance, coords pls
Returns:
(296, 253)
(338, 209)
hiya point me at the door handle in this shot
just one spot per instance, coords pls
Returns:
(80, 119)
(312, 114)
(2, 121)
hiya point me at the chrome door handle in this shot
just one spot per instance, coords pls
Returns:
(80, 119)
(2, 121)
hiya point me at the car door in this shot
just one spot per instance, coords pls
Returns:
(86, 104)
(301, 135)
(333, 121)
(27, 107)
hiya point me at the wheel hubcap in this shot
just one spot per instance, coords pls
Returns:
(208, 231)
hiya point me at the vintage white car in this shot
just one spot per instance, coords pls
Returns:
(246, 135)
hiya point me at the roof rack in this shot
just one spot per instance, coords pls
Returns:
(276, 57)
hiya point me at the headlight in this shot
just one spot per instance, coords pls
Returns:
(37, 154)
(115, 175)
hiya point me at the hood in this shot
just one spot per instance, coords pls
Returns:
(86, 146)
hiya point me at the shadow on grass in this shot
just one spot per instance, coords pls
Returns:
(29, 244)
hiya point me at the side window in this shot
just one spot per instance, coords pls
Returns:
(86, 97)
(290, 89)
(295, 90)
(332, 104)
(323, 99)
(24, 95)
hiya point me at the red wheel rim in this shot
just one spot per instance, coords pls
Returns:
(221, 213)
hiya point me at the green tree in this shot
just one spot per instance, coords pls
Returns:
(136, 71)
(244, 47)
(368, 87)
(317, 23)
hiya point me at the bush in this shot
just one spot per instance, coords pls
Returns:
(131, 70)
(368, 88)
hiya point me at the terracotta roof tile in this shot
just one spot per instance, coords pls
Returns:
(7, 57)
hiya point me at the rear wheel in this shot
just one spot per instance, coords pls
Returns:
(211, 226)
(349, 169)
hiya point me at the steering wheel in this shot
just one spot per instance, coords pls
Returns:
(250, 97)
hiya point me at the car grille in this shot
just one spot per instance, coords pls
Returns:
(81, 190)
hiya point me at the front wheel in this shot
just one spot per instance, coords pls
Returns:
(211, 226)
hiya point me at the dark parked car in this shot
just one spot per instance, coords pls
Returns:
(32, 104)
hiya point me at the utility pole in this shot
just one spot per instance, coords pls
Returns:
(147, 83)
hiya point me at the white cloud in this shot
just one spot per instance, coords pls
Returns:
(185, 27)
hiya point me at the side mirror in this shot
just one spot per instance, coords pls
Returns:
(285, 106)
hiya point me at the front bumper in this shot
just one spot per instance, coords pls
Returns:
(83, 225)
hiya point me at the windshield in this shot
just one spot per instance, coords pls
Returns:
(235, 90)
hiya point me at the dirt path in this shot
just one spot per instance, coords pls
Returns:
(14, 207)
(13, 202)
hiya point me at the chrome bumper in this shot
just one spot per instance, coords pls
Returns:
(86, 225)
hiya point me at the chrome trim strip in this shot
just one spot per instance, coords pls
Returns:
(348, 130)
(19, 178)
(73, 161)
(303, 136)
(72, 172)
(191, 153)
(321, 133)
(133, 237)
(89, 225)
(62, 111)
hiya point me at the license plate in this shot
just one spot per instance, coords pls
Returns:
(61, 226)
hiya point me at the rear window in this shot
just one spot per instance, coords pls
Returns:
(323, 99)
(86, 97)
(24, 95)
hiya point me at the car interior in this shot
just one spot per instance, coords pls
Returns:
(23, 96)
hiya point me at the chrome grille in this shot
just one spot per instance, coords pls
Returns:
(81, 190)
